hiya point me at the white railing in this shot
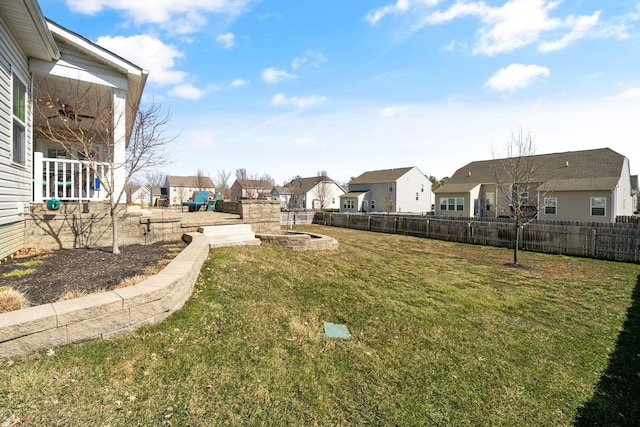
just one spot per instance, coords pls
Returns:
(65, 179)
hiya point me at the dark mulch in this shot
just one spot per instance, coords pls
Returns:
(82, 270)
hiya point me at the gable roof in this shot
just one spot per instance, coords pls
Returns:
(380, 176)
(598, 169)
(190, 181)
(254, 183)
(306, 184)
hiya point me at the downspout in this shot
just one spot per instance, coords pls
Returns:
(613, 204)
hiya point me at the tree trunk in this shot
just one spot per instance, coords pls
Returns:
(517, 244)
(114, 222)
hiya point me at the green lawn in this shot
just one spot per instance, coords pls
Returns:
(442, 334)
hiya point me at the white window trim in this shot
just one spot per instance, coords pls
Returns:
(555, 205)
(15, 119)
(591, 206)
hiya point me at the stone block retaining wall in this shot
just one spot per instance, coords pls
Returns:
(105, 314)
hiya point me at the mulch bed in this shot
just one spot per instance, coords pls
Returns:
(82, 271)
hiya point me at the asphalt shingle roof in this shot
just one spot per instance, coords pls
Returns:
(598, 169)
(190, 181)
(380, 176)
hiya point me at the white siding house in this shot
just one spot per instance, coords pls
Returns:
(313, 193)
(389, 190)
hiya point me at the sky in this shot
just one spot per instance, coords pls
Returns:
(291, 87)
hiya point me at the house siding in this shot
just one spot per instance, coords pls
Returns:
(576, 206)
(15, 185)
(12, 238)
(623, 198)
(408, 185)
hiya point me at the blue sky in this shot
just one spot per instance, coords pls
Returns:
(289, 87)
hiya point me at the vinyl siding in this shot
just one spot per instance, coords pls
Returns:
(15, 180)
(12, 238)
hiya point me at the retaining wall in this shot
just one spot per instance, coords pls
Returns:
(106, 314)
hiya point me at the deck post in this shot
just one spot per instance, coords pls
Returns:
(37, 176)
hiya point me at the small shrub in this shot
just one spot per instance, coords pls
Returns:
(11, 300)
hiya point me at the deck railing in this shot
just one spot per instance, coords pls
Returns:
(65, 179)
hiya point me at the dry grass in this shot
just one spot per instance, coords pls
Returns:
(134, 280)
(442, 334)
(11, 299)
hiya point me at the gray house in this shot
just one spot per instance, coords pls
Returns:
(589, 185)
(388, 190)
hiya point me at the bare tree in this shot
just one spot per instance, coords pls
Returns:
(389, 202)
(154, 178)
(322, 190)
(516, 180)
(241, 173)
(222, 183)
(86, 131)
(294, 189)
(201, 180)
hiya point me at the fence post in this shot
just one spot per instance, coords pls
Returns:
(428, 228)
(593, 243)
(469, 233)
(368, 222)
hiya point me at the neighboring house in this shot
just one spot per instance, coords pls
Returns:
(282, 194)
(389, 190)
(181, 188)
(34, 169)
(251, 189)
(139, 194)
(157, 195)
(589, 185)
(315, 193)
(635, 193)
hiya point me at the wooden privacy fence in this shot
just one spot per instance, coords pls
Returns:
(616, 242)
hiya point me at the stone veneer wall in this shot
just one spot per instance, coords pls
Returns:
(263, 215)
(78, 225)
(11, 238)
(105, 314)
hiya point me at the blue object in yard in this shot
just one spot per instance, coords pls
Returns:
(96, 184)
(53, 204)
(336, 331)
(200, 199)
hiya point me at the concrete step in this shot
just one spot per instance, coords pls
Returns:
(229, 235)
(217, 230)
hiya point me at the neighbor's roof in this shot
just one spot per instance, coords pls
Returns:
(306, 184)
(254, 183)
(353, 194)
(190, 181)
(598, 169)
(380, 176)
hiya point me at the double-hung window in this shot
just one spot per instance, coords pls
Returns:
(452, 204)
(598, 206)
(19, 113)
(550, 205)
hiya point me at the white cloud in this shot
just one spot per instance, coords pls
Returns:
(200, 138)
(179, 16)
(187, 91)
(226, 40)
(390, 112)
(314, 58)
(515, 76)
(149, 53)
(274, 75)
(279, 100)
(239, 83)
(581, 26)
(633, 94)
(306, 141)
(400, 6)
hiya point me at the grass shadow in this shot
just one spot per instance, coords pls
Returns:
(615, 400)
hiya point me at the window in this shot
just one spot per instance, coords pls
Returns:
(349, 204)
(373, 204)
(390, 187)
(417, 196)
(550, 205)
(422, 188)
(19, 121)
(598, 206)
(452, 204)
(489, 201)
